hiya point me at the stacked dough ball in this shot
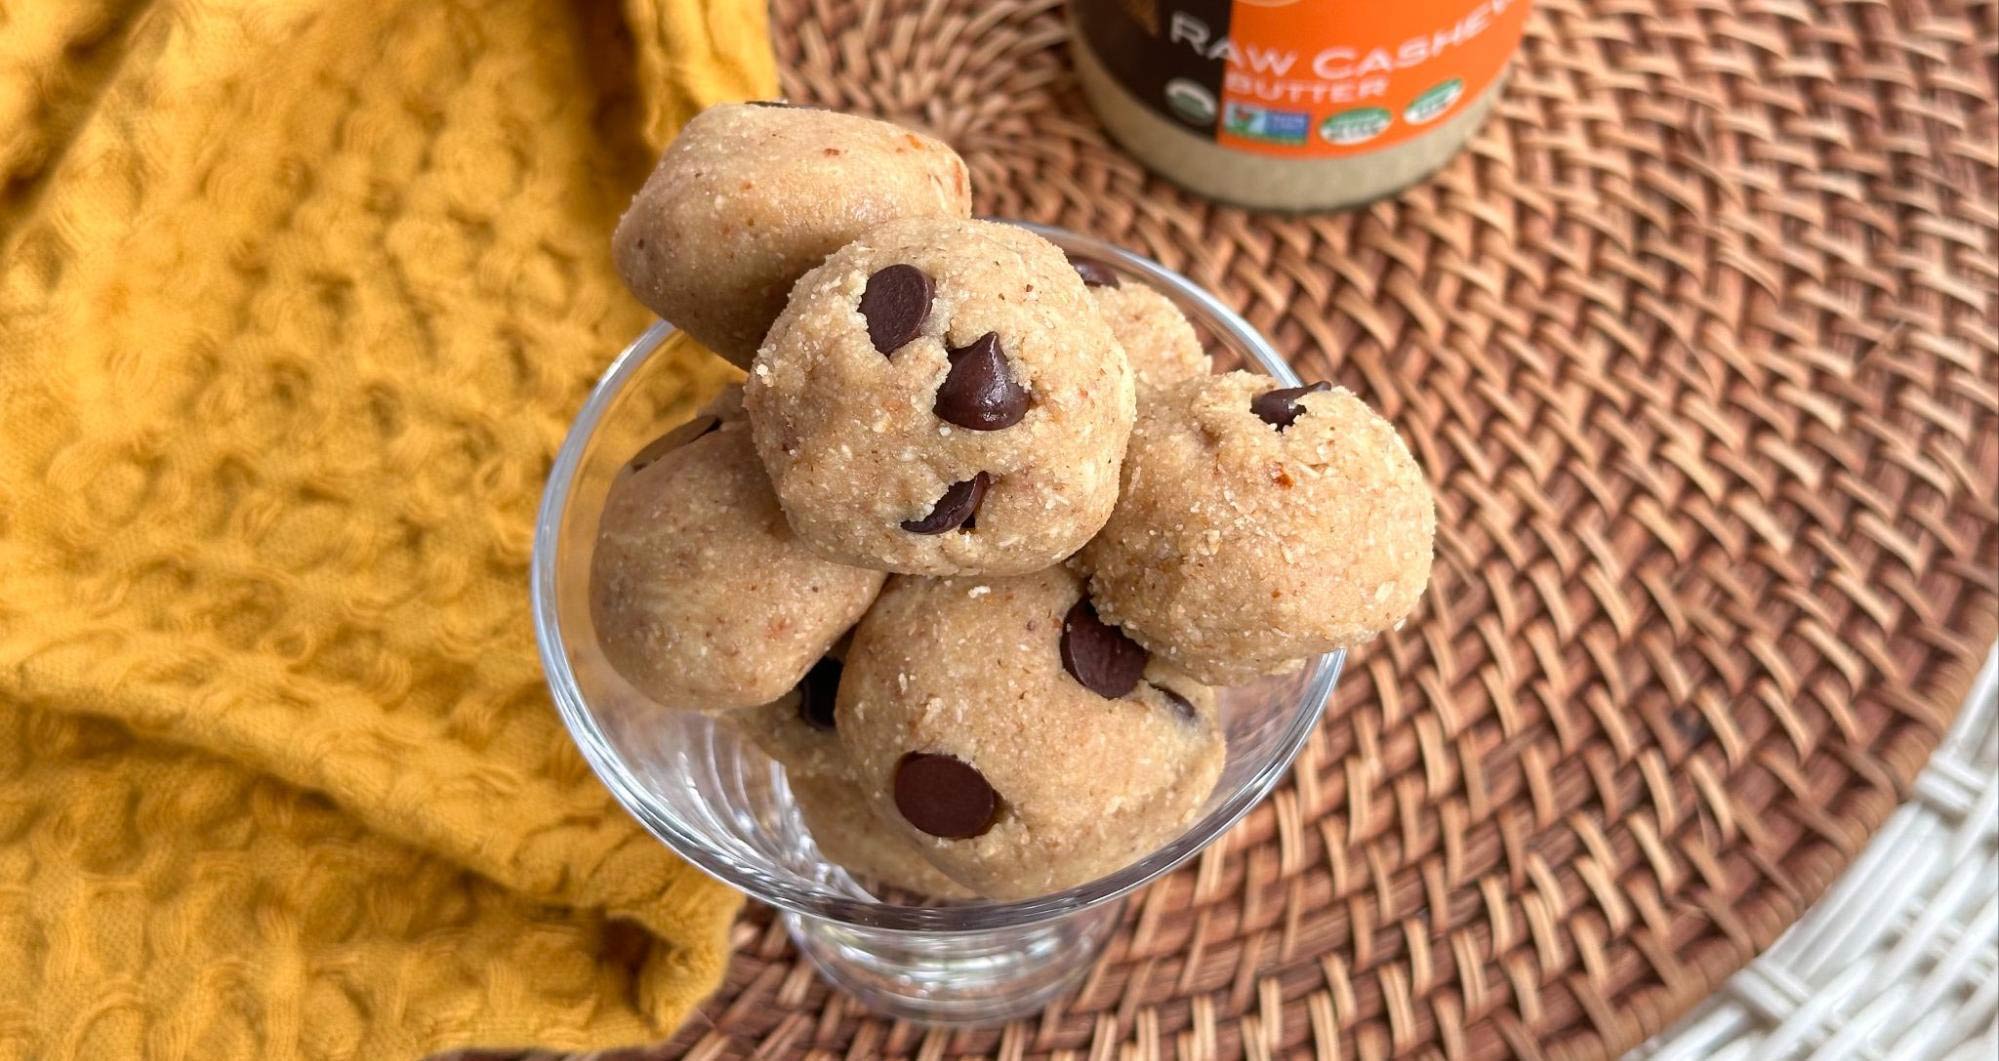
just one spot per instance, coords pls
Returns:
(979, 535)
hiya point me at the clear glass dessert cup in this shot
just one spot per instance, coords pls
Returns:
(722, 805)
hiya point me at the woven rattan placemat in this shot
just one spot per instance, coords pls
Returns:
(1698, 344)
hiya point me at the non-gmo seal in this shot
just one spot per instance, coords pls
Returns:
(1431, 105)
(1356, 126)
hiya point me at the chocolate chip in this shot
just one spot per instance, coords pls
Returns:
(955, 509)
(1279, 408)
(817, 692)
(1098, 655)
(979, 393)
(895, 304)
(1094, 272)
(1180, 703)
(944, 796)
(674, 439)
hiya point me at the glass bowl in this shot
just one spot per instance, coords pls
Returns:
(722, 805)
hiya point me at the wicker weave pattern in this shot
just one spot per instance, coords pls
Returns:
(1901, 957)
(1699, 345)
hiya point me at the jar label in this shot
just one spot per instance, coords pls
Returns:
(1304, 78)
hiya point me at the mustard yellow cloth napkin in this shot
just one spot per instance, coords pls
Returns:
(296, 300)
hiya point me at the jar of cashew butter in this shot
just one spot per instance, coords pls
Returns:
(1294, 104)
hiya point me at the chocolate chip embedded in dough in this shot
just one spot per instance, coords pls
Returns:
(673, 440)
(895, 303)
(955, 509)
(817, 693)
(1099, 655)
(1180, 704)
(944, 796)
(1094, 272)
(980, 393)
(1279, 408)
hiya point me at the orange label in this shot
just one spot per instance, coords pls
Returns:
(1306, 78)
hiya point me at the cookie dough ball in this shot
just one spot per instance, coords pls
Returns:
(701, 596)
(1157, 338)
(847, 831)
(941, 397)
(1258, 526)
(796, 729)
(1021, 743)
(751, 195)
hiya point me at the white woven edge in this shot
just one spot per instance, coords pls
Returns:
(1900, 959)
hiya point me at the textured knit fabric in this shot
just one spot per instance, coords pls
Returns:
(296, 300)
